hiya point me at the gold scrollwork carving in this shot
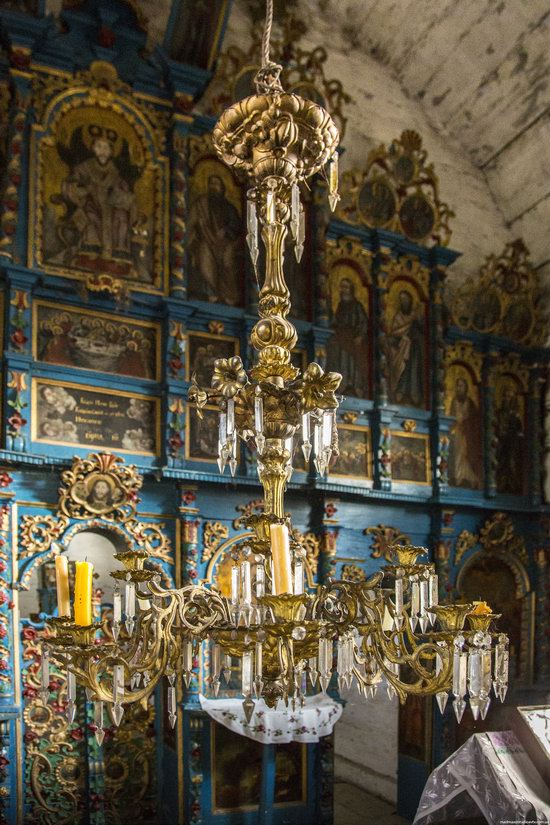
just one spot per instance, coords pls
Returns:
(214, 533)
(310, 544)
(397, 190)
(385, 537)
(38, 532)
(464, 542)
(353, 573)
(100, 485)
(503, 298)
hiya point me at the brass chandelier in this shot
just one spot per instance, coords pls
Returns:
(389, 627)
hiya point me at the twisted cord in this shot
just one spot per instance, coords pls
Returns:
(267, 32)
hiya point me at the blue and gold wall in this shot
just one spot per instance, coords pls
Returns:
(124, 272)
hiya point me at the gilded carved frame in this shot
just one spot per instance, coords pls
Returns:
(80, 508)
(101, 89)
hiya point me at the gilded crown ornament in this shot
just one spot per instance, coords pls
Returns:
(386, 628)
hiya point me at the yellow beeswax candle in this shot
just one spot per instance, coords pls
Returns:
(282, 567)
(481, 609)
(83, 593)
(62, 582)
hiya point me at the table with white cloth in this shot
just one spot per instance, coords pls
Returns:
(280, 724)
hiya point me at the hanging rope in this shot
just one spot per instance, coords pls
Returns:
(267, 32)
(267, 79)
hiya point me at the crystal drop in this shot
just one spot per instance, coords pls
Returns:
(99, 736)
(130, 624)
(459, 706)
(216, 687)
(442, 698)
(474, 706)
(390, 690)
(398, 622)
(423, 622)
(306, 450)
(260, 442)
(484, 706)
(44, 695)
(324, 681)
(187, 678)
(172, 717)
(89, 694)
(71, 711)
(117, 712)
(226, 674)
(221, 464)
(248, 707)
(258, 687)
(413, 621)
(233, 466)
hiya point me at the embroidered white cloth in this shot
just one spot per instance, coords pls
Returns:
(317, 718)
(492, 774)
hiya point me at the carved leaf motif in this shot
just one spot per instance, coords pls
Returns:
(464, 542)
(353, 573)
(310, 543)
(38, 532)
(214, 533)
(384, 539)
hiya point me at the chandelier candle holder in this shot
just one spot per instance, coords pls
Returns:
(288, 640)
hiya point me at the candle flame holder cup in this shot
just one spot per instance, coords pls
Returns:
(407, 554)
(59, 625)
(481, 621)
(69, 634)
(287, 608)
(451, 616)
(132, 559)
(135, 576)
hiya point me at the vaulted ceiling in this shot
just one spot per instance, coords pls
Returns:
(474, 73)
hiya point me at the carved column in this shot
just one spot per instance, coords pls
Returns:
(179, 191)
(489, 434)
(542, 640)
(187, 566)
(329, 537)
(321, 310)
(536, 435)
(13, 220)
(380, 296)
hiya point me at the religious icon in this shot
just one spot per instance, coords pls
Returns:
(417, 217)
(100, 493)
(202, 444)
(462, 403)
(410, 457)
(348, 349)
(215, 235)
(96, 341)
(98, 189)
(354, 452)
(237, 770)
(404, 346)
(377, 202)
(510, 436)
(72, 414)
(203, 350)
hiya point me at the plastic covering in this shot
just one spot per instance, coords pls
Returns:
(491, 775)
(317, 718)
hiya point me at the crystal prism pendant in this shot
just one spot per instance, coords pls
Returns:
(117, 712)
(248, 707)
(459, 706)
(99, 736)
(442, 699)
(484, 704)
(333, 196)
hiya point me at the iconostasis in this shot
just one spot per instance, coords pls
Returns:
(124, 273)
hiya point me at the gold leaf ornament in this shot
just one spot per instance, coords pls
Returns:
(229, 376)
(318, 388)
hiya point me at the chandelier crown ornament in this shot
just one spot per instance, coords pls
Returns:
(283, 635)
